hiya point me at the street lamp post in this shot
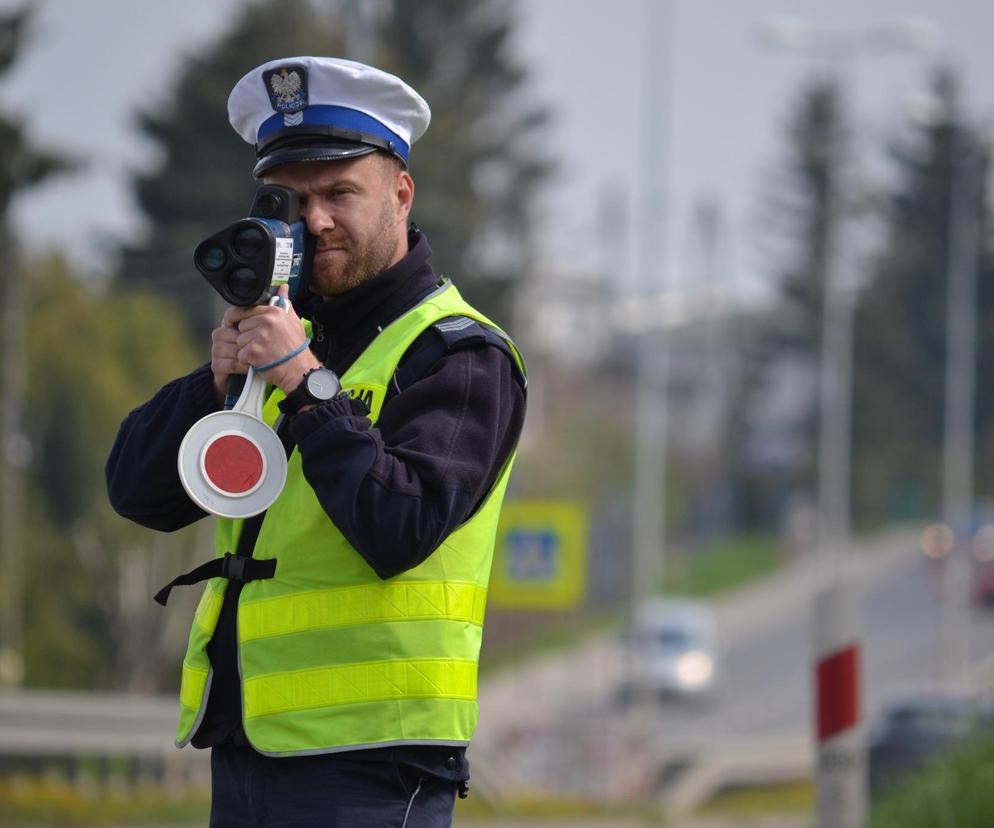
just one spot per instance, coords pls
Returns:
(958, 420)
(841, 779)
(953, 650)
(652, 367)
(14, 458)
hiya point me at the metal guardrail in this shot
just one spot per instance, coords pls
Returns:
(787, 760)
(52, 723)
(65, 724)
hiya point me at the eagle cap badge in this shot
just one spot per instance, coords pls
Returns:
(287, 87)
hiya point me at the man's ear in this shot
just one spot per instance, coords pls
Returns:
(405, 193)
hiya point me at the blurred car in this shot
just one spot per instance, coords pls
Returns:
(938, 542)
(982, 554)
(672, 649)
(982, 583)
(914, 731)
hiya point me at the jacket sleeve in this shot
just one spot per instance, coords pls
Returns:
(398, 490)
(142, 477)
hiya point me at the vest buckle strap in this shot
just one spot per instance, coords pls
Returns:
(233, 567)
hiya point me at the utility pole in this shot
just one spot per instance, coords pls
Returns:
(958, 420)
(841, 770)
(652, 359)
(966, 167)
(14, 457)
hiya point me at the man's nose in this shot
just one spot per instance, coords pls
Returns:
(318, 218)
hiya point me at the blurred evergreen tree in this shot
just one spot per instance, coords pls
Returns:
(477, 169)
(805, 199)
(900, 325)
(22, 163)
(205, 179)
(90, 621)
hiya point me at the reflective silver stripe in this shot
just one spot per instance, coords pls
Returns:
(345, 748)
(200, 713)
(456, 324)
(407, 813)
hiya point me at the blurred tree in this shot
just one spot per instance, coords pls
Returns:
(477, 168)
(804, 200)
(91, 359)
(480, 165)
(205, 179)
(22, 165)
(900, 326)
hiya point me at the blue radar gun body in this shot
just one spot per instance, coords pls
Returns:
(248, 260)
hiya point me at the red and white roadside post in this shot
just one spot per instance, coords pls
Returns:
(841, 765)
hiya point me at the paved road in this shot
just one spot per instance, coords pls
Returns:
(554, 725)
(592, 747)
(769, 675)
(750, 822)
(745, 822)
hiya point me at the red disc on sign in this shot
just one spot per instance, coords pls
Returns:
(233, 464)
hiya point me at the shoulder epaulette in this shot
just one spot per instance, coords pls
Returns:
(454, 333)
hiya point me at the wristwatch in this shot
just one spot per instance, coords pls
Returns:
(318, 385)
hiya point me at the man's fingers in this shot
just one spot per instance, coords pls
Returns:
(264, 333)
(245, 338)
(225, 365)
(235, 315)
(232, 316)
(224, 352)
(221, 336)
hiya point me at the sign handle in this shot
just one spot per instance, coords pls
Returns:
(253, 392)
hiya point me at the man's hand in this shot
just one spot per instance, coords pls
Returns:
(224, 359)
(258, 335)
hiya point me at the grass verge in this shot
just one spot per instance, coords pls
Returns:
(31, 802)
(703, 573)
(757, 800)
(552, 810)
(721, 565)
(956, 791)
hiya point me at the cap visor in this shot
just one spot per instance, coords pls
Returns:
(319, 152)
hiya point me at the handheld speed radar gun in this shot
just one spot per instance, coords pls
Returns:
(231, 463)
(247, 260)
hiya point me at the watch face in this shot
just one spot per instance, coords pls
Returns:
(322, 384)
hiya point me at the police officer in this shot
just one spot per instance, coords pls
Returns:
(334, 674)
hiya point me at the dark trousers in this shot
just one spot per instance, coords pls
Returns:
(330, 791)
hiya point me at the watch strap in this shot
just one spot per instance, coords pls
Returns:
(301, 395)
(297, 398)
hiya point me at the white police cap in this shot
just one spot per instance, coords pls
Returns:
(324, 109)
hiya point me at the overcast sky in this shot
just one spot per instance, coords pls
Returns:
(723, 96)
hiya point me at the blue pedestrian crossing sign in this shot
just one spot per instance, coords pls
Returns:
(540, 559)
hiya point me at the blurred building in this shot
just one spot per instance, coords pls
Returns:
(721, 425)
(562, 317)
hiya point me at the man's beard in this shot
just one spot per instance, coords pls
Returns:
(330, 278)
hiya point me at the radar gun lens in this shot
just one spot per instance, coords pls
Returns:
(249, 243)
(213, 258)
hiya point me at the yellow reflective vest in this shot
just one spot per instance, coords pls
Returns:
(332, 657)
